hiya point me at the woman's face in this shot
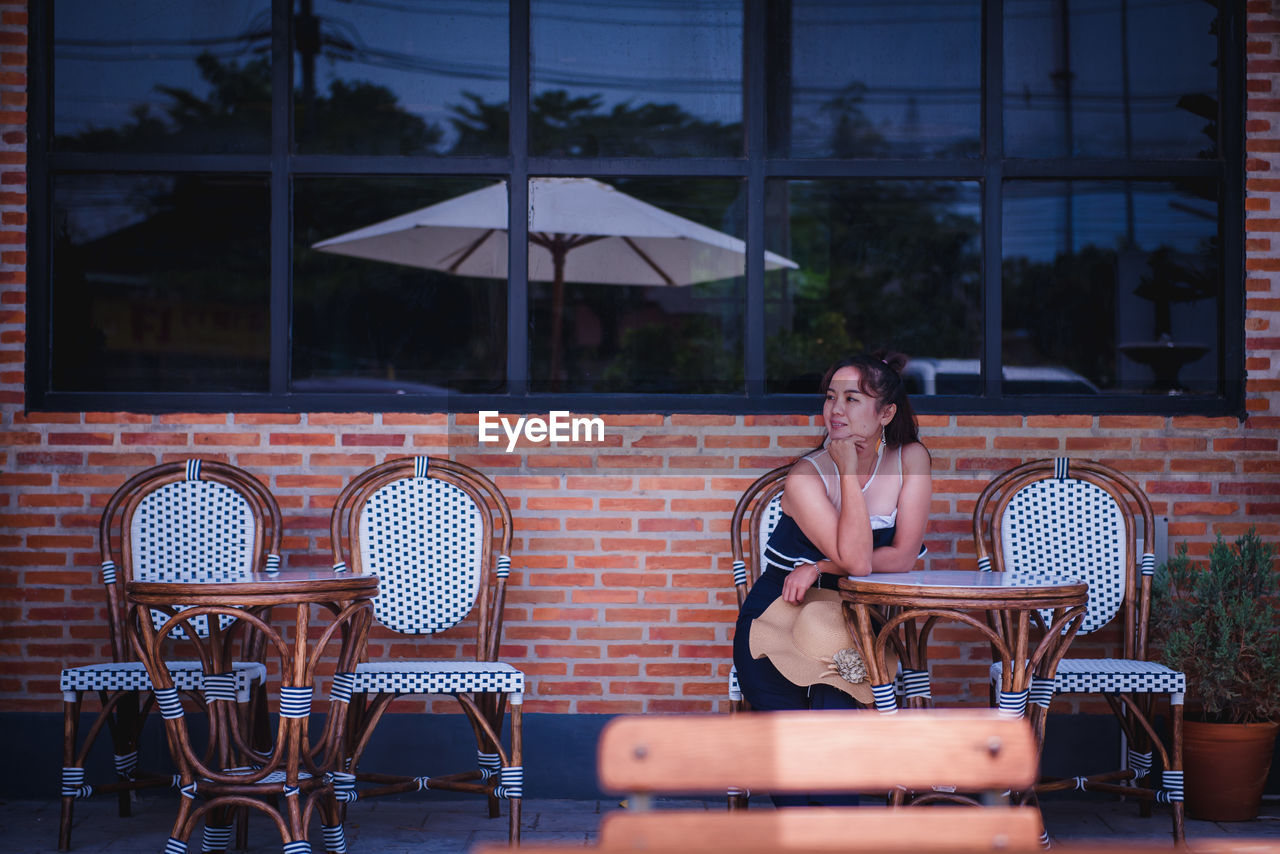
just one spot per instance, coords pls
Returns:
(852, 414)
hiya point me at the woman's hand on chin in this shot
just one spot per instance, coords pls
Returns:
(844, 453)
(798, 581)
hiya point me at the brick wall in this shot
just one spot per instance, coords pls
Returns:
(620, 598)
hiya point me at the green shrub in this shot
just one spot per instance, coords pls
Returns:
(1217, 624)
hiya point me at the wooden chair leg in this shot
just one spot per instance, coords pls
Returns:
(517, 760)
(70, 729)
(126, 730)
(1179, 826)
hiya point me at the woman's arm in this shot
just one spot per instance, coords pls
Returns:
(913, 513)
(844, 536)
(913, 517)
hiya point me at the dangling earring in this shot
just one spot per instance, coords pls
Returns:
(880, 444)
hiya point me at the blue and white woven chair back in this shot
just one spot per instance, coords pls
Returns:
(1069, 527)
(768, 516)
(424, 539)
(192, 530)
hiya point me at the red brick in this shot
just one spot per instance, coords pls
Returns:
(555, 686)
(415, 419)
(998, 421)
(1165, 444)
(266, 418)
(605, 669)
(565, 651)
(630, 461)
(600, 523)
(666, 441)
(671, 484)
(632, 420)
(54, 499)
(1268, 487)
(22, 438)
(561, 461)
(633, 505)
(1098, 443)
(352, 460)
(611, 633)
(153, 438)
(640, 650)
(319, 419)
(306, 439)
(1025, 443)
(227, 439)
(1198, 464)
(682, 420)
(778, 420)
(736, 441)
(267, 461)
(634, 688)
(1205, 508)
(60, 459)
(116, 418)
(129, 460)
(373, 440)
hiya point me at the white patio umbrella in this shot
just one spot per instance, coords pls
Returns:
(580, 230)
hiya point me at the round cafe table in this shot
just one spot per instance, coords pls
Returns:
(294, 774)
(901, 609)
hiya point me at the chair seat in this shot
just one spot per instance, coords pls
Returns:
(132, 676)
(437, 677)
(1112, 676)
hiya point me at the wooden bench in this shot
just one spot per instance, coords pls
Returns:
(838, 751)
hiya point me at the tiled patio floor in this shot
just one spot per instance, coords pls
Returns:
(437, 826)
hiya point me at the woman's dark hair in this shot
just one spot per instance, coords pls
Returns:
(880, 376)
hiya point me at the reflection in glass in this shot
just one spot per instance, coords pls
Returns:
(162, 76)
(874, 79)
(1130, 78)
(160, 283)
(385, 321)
(1116, 283)
(891, 264)
(648, 78)
(683, 337)
(410, 77)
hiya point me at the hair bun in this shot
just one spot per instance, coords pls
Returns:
(895, 360)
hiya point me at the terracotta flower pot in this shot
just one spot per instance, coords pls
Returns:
(1226, 768)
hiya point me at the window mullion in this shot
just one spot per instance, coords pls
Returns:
(281, 193)
(754, 111)
(992, 194)
(518, 204)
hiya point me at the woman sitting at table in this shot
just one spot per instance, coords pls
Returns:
(858, 504)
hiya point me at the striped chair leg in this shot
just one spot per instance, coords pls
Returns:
(517, 760)
(1175, 760)
(70, 731)
(216, 838)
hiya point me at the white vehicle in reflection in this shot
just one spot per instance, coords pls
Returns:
(964, 376)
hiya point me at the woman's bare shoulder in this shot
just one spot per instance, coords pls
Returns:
(916, 458)
(804, 467)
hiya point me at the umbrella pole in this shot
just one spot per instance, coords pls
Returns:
(558, 251)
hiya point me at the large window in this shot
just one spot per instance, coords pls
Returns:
(659, 204)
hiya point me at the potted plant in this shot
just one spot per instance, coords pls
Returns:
(1218, 625)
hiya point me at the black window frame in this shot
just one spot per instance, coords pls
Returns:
(754, 168)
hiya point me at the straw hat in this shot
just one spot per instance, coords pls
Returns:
(809, 643)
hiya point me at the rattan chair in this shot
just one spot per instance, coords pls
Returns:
(176, 521)
(1079, 518)
(832, 751)
(754, 518)
(438, 536)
